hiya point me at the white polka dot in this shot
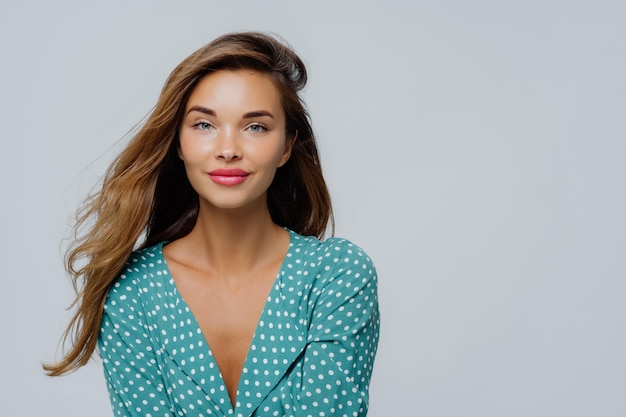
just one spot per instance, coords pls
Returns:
(317, 335)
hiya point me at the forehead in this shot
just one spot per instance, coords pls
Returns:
(236, 89)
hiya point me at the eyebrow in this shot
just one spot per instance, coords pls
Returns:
(249, 115)
(258, 113)
(201, 110)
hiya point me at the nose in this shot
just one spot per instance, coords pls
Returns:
(227, 147)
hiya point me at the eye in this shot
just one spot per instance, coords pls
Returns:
(202, 126)
(257, 128)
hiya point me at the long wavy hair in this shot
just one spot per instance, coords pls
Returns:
(146, 198)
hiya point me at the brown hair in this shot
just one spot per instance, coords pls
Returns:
(145, 191)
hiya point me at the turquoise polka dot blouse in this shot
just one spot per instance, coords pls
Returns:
(311, 355)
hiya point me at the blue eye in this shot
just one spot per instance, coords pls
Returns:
(257, 128)
(202, 126)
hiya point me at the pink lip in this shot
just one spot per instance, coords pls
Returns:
(228, 176)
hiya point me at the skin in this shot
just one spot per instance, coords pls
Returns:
(226, 266)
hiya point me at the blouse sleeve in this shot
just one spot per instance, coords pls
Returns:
(133, 377)
(342, 340)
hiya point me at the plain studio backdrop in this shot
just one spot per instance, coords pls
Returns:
(476, 150)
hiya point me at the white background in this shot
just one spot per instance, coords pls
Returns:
(474, 149)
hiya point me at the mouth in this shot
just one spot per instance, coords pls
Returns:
(228, 176)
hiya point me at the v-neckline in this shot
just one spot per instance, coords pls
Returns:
(192, 318)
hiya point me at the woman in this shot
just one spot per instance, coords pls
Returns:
(231, 305)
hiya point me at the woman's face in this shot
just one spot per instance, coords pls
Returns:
(232, 138)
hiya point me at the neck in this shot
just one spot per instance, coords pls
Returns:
(231, 243)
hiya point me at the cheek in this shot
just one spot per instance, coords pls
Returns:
(286, 153)
(276, 152)
(262, 152)
(275, 158)
(191, 151)
(183, 145)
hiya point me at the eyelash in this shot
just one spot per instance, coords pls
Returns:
(208, 126)
(199, 126)
(261, 125)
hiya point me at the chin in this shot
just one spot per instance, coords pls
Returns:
(235, 204)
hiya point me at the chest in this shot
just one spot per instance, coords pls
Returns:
(227, 313)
